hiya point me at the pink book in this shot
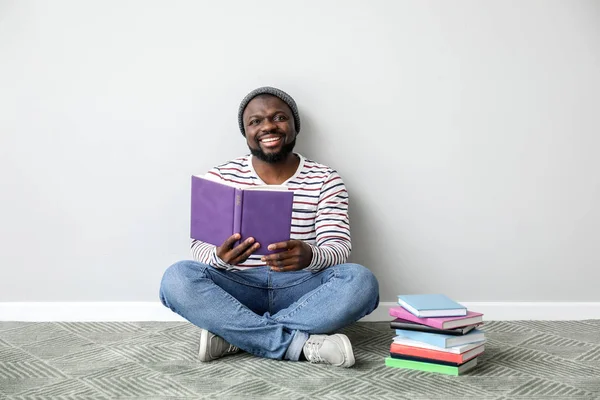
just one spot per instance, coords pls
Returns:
(439, 322)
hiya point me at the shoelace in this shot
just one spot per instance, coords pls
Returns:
(312, 350)
(232, 349)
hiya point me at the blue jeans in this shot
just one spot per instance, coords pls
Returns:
(265, 313)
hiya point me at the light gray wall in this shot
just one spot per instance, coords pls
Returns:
(467, 134)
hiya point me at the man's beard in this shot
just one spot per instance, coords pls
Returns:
(274, 158)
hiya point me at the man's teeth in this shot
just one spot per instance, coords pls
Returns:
(269, 139)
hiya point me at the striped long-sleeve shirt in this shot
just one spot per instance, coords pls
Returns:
(319, 216)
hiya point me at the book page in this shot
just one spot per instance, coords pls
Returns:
(213, 178)
(277, 188)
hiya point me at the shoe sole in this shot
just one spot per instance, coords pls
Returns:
(204, 334)
(348, 350)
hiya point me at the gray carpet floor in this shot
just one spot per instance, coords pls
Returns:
(96, 361)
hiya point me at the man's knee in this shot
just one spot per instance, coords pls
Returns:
(361, 277)
(176, 280)
(365, 287)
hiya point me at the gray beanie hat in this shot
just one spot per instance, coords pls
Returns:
(286, 98)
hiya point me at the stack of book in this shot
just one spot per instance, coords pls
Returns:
(435, 334)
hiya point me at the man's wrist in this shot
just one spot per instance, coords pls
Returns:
(314, 260)
(217, 262)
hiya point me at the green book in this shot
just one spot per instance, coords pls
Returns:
(431, 367)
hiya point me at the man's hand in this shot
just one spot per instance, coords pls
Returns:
(238, 254)
(296, 256)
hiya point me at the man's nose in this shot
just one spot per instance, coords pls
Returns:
(268, 125)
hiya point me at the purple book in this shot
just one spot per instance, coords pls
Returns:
(220, 210)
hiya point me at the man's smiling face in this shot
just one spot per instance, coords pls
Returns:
(270, 130)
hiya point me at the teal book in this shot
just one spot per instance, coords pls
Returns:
(431, 305)
(430, 366)
(440, 340)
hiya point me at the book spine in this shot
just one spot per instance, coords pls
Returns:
(399, 312)
(425, 328)
(423, 359)
(237, 212)
(421, 366)
(433, 339)
(425, 353)
(409, 308)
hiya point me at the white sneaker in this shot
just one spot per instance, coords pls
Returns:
(329, 349)
(213, 346)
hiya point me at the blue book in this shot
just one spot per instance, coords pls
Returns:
(431, 305)
(444, 341)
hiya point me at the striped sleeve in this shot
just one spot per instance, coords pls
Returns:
(332, 225)
(206, 253)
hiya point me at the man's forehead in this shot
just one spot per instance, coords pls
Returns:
(265, 101)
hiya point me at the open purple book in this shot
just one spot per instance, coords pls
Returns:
(220, 210)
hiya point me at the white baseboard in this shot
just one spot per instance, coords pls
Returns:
(87, 311)
(154, 311)
(512, 311)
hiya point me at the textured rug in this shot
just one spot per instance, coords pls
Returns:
(94, 361)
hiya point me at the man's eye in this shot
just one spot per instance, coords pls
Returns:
(254, 122)
(280, 118)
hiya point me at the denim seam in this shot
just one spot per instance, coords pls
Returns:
(296, 345)
(236, 301)
(305, 302)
